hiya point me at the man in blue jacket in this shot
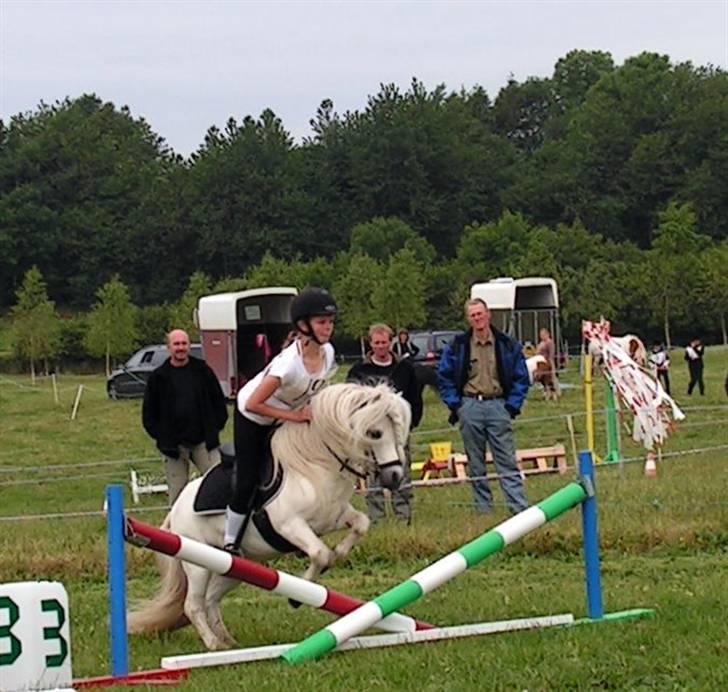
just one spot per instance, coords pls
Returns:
(483, 380)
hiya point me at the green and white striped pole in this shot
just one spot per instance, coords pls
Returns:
(436, 574)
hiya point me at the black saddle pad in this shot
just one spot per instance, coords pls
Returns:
(215, 491)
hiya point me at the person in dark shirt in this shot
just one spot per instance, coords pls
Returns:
(382, 365)
(694, 357)
(184, 411)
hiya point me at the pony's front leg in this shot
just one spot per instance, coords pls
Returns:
(358, 525)
(297, 531)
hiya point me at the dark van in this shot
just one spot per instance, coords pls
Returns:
(430, 345)
(130, 380)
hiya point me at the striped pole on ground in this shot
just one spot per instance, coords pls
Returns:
(436, 574)
(282, 583)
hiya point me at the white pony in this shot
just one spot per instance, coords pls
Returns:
(352, 427)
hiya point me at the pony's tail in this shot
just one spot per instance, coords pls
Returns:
(165, 611)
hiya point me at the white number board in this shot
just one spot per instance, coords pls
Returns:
(35, 638)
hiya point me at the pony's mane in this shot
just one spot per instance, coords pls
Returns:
(341, 416)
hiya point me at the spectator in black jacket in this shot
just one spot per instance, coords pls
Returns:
(382, 365)
(694, 356)
(184, 411)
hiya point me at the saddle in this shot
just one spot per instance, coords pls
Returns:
(216, 489)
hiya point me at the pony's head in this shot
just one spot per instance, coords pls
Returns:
(366, 425)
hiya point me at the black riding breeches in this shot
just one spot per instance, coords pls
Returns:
(250, 450)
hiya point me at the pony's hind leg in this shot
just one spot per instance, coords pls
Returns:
(358, 525)
(197, 581)
(216, 589)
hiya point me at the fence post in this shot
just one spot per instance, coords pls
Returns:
(590, 531)
(117, 581)
(613, 451)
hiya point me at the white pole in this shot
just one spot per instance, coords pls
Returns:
(77, 402)
(55, 387)
(261, 653)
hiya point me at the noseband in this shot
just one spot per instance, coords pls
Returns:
(346, 466)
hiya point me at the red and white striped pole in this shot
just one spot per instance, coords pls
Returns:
(225, 564)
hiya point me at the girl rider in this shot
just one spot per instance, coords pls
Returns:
(280, 392)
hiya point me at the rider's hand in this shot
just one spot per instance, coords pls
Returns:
(303, 414)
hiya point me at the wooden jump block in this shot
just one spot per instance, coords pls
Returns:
(459, 464)
(529, 461)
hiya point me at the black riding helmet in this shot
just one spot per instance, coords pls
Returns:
(312, 302)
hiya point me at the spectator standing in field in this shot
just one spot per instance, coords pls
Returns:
(482, 378)
(694, 357)
(547, 349)
(382, 365)
(184, 411)
(403, 347)
(660, 362)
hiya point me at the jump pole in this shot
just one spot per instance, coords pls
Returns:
(436, 574)
(375, 641)
(268, 578)
(471, 554)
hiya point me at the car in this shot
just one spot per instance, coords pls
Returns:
(130, 380)
(429, 345)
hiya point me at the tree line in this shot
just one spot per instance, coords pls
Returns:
(676, 289)
(611, 178)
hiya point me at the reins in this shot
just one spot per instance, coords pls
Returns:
(344, 464)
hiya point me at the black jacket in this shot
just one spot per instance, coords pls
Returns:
(158, 406)
(401, 376)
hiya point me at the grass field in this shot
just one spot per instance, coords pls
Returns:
(664, 545)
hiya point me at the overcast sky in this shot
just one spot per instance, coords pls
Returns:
(185, 65)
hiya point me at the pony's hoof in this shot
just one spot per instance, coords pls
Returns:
(294, 604)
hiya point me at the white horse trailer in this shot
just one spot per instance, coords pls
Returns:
(240, 332)
(521, 307)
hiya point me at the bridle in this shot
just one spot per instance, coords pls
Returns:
(345, 465)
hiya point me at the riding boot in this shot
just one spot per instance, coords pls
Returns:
(234, 522)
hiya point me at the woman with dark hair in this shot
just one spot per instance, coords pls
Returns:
(660, 363)
(403, 347)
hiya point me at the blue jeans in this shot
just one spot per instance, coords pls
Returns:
(488, 422)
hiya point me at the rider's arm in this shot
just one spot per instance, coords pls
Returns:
(267, 387)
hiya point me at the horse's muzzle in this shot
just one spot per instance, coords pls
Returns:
(391, 475)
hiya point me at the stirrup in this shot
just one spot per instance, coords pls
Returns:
(232, 549)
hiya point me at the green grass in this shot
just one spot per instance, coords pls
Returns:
(664, 543)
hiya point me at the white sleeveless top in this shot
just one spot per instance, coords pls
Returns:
(297, 384)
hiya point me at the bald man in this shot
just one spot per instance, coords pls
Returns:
(184, 411)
